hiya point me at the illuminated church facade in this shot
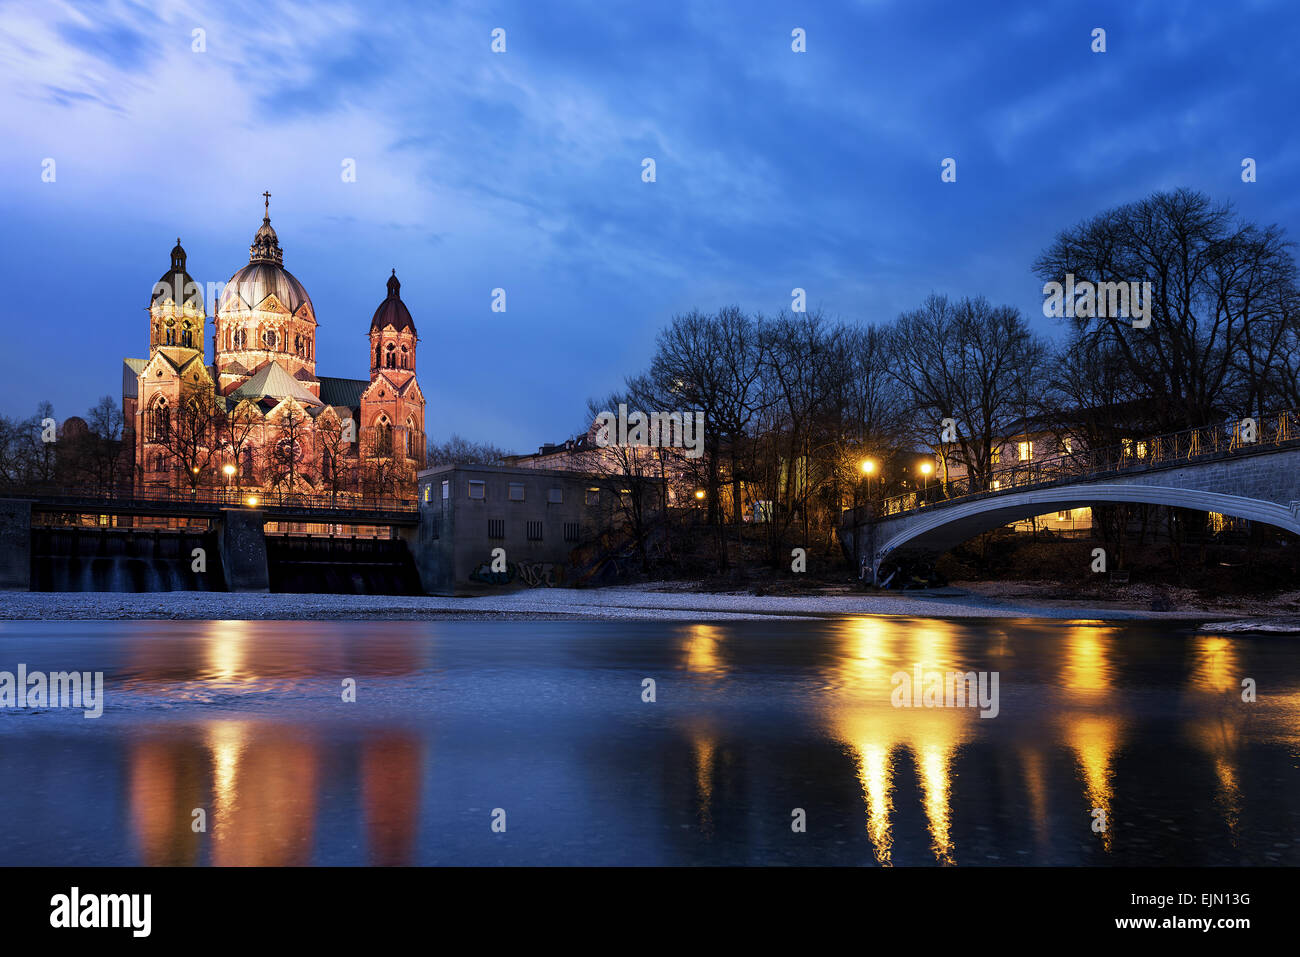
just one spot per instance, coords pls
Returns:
(258, 416)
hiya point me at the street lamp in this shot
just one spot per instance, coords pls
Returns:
(868, 467)
(926, 469)
(699, 494)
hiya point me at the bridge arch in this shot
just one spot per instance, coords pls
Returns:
(941, 527)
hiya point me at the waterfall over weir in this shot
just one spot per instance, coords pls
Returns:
(123, 560)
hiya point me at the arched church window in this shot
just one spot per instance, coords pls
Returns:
(406, 358)
(159, 419)
(187, 336)
(170, 334)
(390, 357)
(241, 339)
(300, 346)
(268, 337)
(384, 435)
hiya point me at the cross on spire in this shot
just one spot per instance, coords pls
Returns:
(267, 200)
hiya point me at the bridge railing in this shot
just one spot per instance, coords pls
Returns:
(148, 497)
(1190, 445)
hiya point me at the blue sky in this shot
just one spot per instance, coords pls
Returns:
(522, 170)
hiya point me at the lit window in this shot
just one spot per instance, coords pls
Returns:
(555, 496)
(1025, 450)
(426, 493)
(593, 496)
(446, 489)
(477, 489)
(997, 484)
(1067, 445)
(516, 491)
(996, 457)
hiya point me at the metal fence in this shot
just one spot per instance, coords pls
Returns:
(1190, 445)
(213, 497)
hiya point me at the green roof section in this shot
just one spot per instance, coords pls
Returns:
(271, 381)
(342, 392)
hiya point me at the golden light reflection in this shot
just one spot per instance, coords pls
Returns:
(1094, 739)
(1088, 668)
(225, 652)
(859, 712)
(1216, 665)
(934, 764)
(876, 772)
(703, 645)
(165, 785)
(264, 783)
(703, 747)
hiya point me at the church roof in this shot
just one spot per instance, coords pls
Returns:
(131, 369)
(177, 284)
(392, 311)
(271, 381)
(342, 392)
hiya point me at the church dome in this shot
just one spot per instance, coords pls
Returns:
(250, 286)
(392, 311)
(264, 276)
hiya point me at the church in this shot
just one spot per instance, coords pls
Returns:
(258, 418)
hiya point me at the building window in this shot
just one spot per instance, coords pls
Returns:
(555, 496)
(269, 338)
(477, 489)
(995, 456)
(1067, 445)
(516, 491)
(593, 496)
(570, 531)
(390, 357)
(426, 493)
(446, 489)
(1063, 516)
(435, 526)
(1025, 451)
(241, 338)
(496, 528)
(534, 531)
(187, 336)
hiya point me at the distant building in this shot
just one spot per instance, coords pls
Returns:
(485, 527)
(265, 419)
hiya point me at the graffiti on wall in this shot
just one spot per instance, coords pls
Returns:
(530, 574)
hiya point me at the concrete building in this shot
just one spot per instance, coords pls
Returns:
(486, 527)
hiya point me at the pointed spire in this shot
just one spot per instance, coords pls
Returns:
(394, 287)
(266, 245)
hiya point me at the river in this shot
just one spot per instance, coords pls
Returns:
(766, 742)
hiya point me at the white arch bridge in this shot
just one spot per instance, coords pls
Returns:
(1209, 469)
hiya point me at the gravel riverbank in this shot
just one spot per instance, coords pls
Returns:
(643, 602)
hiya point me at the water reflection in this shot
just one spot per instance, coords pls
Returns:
(243, 721)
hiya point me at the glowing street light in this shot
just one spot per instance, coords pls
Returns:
(926, 469)
(251, 501)
(699, 494)
(868, 467)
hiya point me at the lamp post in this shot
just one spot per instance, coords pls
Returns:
(926, 469)
(230, 471)
(868, 467)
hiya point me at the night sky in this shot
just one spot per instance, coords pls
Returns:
(522, 170)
